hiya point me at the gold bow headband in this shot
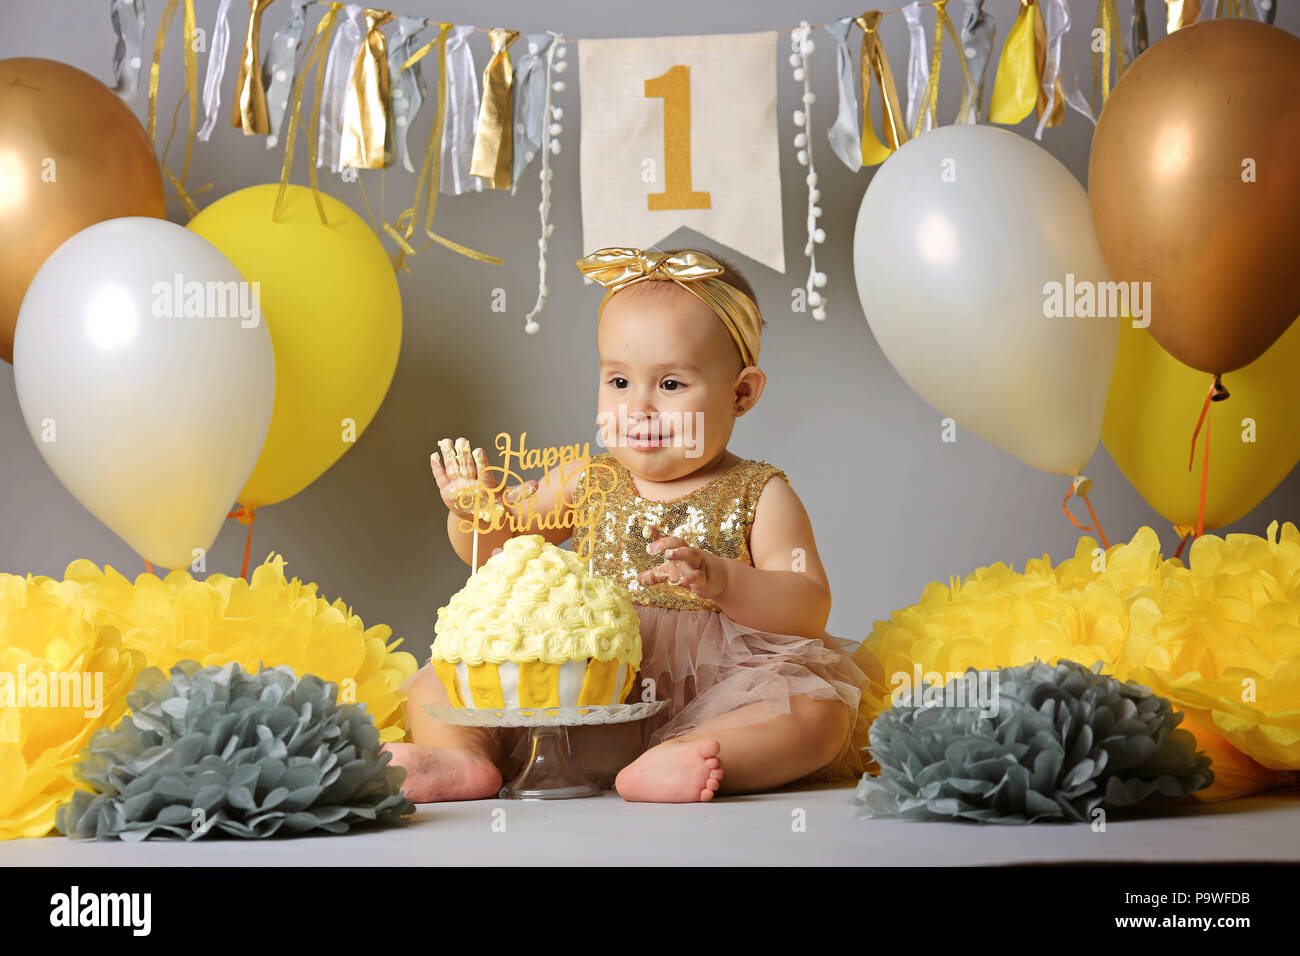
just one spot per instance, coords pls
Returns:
(616, 269)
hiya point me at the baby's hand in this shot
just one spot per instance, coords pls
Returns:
(459, 468)
(701, 571)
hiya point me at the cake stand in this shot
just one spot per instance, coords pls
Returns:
(549, 773)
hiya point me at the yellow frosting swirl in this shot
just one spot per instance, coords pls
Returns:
(536, 602)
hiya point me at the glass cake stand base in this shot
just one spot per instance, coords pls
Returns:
(549, 773)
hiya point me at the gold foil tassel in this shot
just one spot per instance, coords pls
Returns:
(429, 172)
(492, 158)
(1040, 60)
(319, 46)
(429, 169)
(1108, 23)
(249, 108)
(366, 108)
(191, 88)
(875, 61)
(1181, 13)
(159, 41)
(930, 101)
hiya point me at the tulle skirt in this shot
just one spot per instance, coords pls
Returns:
(712, 670)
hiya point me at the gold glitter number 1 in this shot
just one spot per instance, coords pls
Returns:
(675, 88)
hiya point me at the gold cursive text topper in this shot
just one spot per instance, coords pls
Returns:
(584, 511)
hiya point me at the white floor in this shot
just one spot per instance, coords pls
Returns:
(745, 830)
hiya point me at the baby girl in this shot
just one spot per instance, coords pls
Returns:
(718, 559)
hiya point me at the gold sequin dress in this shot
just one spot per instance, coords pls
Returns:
(700, 660)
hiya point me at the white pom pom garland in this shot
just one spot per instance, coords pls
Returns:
(801, 47)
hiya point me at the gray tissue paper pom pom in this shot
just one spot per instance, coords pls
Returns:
(1064, 741)
(219, 750)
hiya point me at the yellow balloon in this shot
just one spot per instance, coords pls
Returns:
(331, 302)
(1152, 408)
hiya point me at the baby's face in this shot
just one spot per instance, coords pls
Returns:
(668, 373)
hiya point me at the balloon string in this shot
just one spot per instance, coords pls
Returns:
(147, 566)
(1096, 524)
(245, 516)
(1101, 534)
(1181, 544)
(1204, 419)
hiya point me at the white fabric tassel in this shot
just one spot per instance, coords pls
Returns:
(338, 72)
(529, 107)
(462, 115)
(407, 86)
(918, 65)
(216, 70)
(128, 62)
(1074, 98)
(280, 67)
(978, 32)
(846, 135)
(1056, 18)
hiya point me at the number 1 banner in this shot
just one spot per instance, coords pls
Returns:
(681, 131)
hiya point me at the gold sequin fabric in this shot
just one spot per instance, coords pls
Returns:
(716, 517)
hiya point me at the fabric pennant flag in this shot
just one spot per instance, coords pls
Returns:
(408, 86)
(128, 61)
(279, 71)
(462, 115)
(681, 131)
(845, 135)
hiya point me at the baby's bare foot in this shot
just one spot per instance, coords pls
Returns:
(434, 774)
(676, 771)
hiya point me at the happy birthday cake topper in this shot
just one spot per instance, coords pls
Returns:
(483, 500)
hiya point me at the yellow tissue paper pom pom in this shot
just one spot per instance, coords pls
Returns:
(1220, 637)
(96, 621)
(63, 675)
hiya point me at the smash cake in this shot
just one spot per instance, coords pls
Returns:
(534, 628)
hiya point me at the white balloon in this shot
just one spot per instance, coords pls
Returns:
(958, 236)
(146, 377)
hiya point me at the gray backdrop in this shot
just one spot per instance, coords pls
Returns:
(893, 506)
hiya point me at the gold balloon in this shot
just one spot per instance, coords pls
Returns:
(71, 154)
(1195, 184)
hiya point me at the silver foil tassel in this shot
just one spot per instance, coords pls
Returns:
(128, 25)
(407, 86)
(279, 69)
